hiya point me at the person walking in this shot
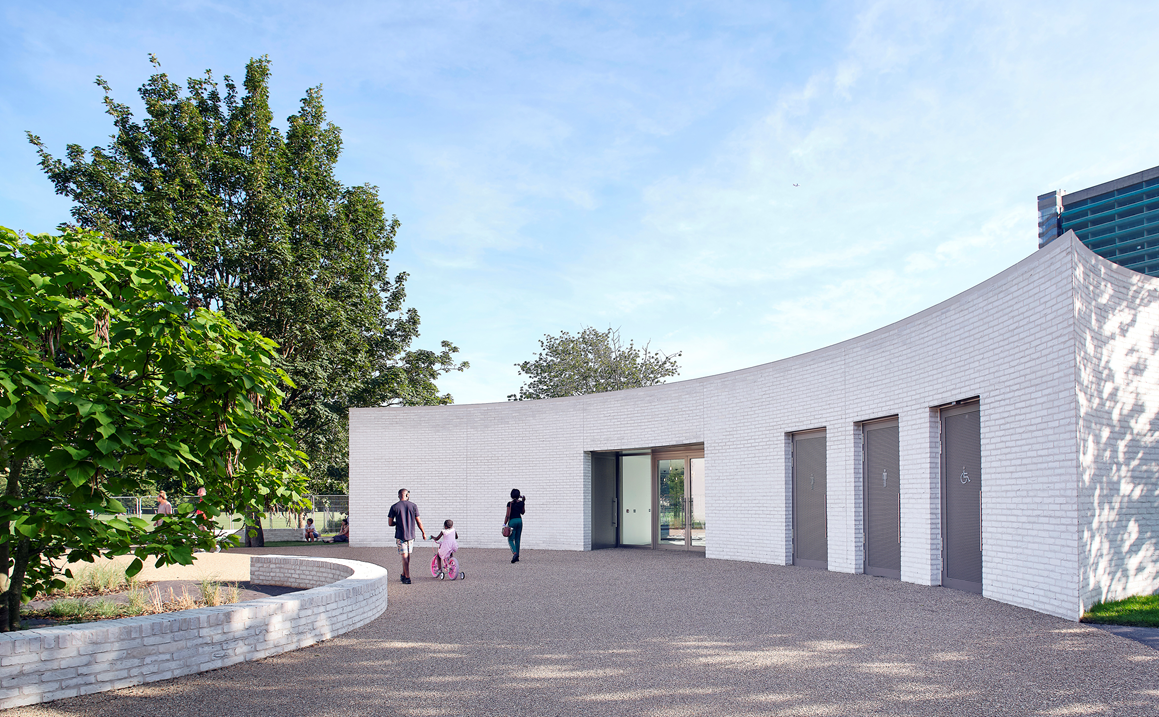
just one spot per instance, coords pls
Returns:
(404, 516)
(514, 520)
(200, 497)
(164, 507)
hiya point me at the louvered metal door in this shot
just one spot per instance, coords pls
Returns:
(882, 500)
(810, 542)
(962, 498)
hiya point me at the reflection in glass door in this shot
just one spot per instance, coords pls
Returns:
(671, 495)
(680, 506)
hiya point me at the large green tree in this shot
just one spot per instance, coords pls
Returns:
(591, 361)
(274, 240)
(108, 374)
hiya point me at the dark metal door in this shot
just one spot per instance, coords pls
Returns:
(605, 511)
(882, 500)
(962, 498)
(810, 527)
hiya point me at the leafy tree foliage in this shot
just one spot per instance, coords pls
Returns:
(591, 361)
(107, 374)
(275, 241)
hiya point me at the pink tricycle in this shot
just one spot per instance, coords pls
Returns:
(451, 571)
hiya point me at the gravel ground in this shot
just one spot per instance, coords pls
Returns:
(631, 632)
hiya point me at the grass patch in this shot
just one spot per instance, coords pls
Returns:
(293, 544)
(214, 593)
(97, 579)
(74, 609)
(147, 601)
(1138, 611)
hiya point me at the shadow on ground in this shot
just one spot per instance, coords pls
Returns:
(659, 633)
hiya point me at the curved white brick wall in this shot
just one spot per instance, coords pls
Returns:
(1060, 348)
(52, 663)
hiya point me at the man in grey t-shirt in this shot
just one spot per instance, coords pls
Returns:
(404, 516)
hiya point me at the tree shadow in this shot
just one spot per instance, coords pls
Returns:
(1117, 335)
(660, 633)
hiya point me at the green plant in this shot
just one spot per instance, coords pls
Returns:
(91, 580)
(95, 579)
(1138, 611)
(184, 602)
(138, 602)
(70, 608)
(109, 372)
(591, 361)
(210, 592)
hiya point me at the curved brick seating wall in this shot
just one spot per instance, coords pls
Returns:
(56, 662)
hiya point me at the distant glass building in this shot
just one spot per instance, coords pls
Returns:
(1118, 220)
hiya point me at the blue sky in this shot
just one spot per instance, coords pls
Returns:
(556, 165)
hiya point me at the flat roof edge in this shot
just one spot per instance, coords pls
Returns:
(1110, 186)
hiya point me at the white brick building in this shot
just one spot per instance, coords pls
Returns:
(1039, 385)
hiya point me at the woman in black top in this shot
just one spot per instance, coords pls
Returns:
(514, 520)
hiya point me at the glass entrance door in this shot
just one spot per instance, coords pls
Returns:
(672, 502)
(680, 514)
(696, 502)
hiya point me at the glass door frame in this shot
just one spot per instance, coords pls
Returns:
(667, 454)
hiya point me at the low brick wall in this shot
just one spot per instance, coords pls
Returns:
(272, 534)
(52, 663)
(281, 534)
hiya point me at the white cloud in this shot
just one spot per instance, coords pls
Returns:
(633, 165)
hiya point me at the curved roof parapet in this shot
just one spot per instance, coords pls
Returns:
(1067, 243)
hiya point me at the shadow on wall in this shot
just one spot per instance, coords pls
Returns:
(1118, 377)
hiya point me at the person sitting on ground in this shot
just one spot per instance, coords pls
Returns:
(311, 532)
(343, 534)
(448, 544)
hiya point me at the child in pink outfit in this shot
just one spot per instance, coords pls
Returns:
(448, 543)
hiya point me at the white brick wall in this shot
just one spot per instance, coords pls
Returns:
(1117, 334)
(1011, 340)
(51, 663)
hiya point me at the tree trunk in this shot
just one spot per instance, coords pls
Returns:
(4, 593)
(11, 588)
(258, 537)
(16, 582)
(5, 554)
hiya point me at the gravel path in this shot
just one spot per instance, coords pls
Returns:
(628, 632)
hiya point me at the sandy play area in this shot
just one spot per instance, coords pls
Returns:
(219, 567)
